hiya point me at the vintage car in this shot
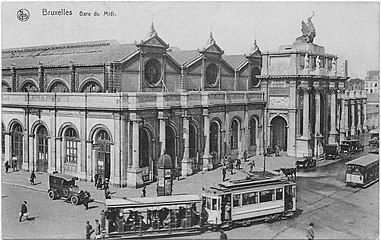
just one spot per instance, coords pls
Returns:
(331, 152)
(354, 145)
(64, 186)
(307, 163)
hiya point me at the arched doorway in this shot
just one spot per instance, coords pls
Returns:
(103, 153)
(253, 136)
(145, 160)
(17, 144)
(193, 148)
(70, 152)
(279, 132)
(214, 143)
(42, 146)
(170, 143)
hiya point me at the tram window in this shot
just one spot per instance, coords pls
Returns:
(208, 203)
(248, 198)
(214, 204)
(236, 200)
(266, 196)
(353, 169)
(279, 194)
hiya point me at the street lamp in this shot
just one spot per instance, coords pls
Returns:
(164, 175)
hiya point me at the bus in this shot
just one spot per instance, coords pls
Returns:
(243, 202)
(374, 141)
(362, 171)
(149, 217)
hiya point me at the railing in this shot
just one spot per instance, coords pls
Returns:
(115, 101)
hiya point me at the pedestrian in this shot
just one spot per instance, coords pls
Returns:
(245, 156)
(14, 164)
(238, 163)
(32, 177)
(89, 230)
(6, 166)
(223, 173)
(231, 166)
(86, 200)
(107, 194)
(96, 176)
(103, 219)
(105, 184)
(277, 150)
(97, 229)
(144, 191)
(99, 184)
(24, 211)
(223, 235)
(252, 165)
(310, 232)
(178, 172)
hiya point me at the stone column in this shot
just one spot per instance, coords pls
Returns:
(291, 141)
(161, 131)
(364, 125)
(333, 133)
(8, 148)
(59, 155)
(303, 141)
(72, 77)
(32, 151)
(353, 127)
(134, 174)
(185, 164)
(359, 113)
(14, 79)
(318, 135)
(343, 117)
(41, 79)
(183, 83)
(206, 158)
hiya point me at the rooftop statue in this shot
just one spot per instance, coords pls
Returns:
(308, 31)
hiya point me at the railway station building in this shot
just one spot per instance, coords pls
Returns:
(114, 109)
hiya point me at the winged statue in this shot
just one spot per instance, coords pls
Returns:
(308, 31)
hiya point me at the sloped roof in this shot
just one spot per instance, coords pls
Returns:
(235, 61)
(184, 57)
(84, 53)
(372, 75)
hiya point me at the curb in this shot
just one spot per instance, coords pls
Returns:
(40, 190)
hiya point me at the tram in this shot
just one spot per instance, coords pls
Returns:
(242, 202)
(374, 142)
(362, 171)
(149, 217)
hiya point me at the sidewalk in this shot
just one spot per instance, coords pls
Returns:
(190, 185)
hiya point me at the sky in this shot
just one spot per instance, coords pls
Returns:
(350, 30)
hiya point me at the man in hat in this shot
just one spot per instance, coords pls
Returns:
(23, 211)
(310, 232)
(223, 235)
(89, 230)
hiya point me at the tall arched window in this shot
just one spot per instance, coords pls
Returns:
(17, 141)
(103, 141)
(42, 149)
(144, 144)
(71, 142)
(192, 141)
(234, 135)
(29, 87)
(58, 87)
(253, 133)
(91, 87)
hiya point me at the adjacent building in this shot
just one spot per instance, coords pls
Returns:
(372, 82)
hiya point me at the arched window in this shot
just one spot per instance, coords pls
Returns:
(71, 142)
(234, 135)
(42, 149)
(17, 141)
(253, 133)
(58, 87)
(29, 87)
(2, 139)
(103, 141)
(5, 88)
(192, 141)
(144, 144)
(91, 87)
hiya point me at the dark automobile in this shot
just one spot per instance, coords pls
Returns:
(307, 163)
(354, 145)
(64, 186)
(331, 152)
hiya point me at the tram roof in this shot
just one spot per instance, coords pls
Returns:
(152, 201)
(364, 160)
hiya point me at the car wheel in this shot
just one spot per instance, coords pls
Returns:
(52, 195)
(74, 200)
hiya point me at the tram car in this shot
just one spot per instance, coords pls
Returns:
(374, 141)
(243, 202)
(362, 171)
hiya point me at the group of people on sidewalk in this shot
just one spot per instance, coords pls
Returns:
(99, 227)
(228, 164)
(102, 185)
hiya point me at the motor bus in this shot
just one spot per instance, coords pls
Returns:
(243, 202)
(149, 217)
(374, 141)
(362, 171)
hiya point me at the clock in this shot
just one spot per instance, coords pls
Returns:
(211, 74)
(152, 71)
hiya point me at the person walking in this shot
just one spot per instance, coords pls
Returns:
(99, 184)
(238, 163)
(32, 177)
(107, 194)
(245, 156)
(89, 230)
(24, 211)
(86, 200)
(223, 173)
(103, 219)
(223, 235)
(277, 151)
(96, 176)
(105, 184)
(97, 229)
(252, 165)
(310, 232)
(144, 191)
(6, 166)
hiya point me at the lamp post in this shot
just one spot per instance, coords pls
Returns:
(164, 175)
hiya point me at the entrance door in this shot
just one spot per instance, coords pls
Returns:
(144, 154)
(103, 145)
(42, 149)
(170, 143)
(214, 140)
(279, 132)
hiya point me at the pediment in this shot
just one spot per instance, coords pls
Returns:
(155, 41)
(214, 48)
